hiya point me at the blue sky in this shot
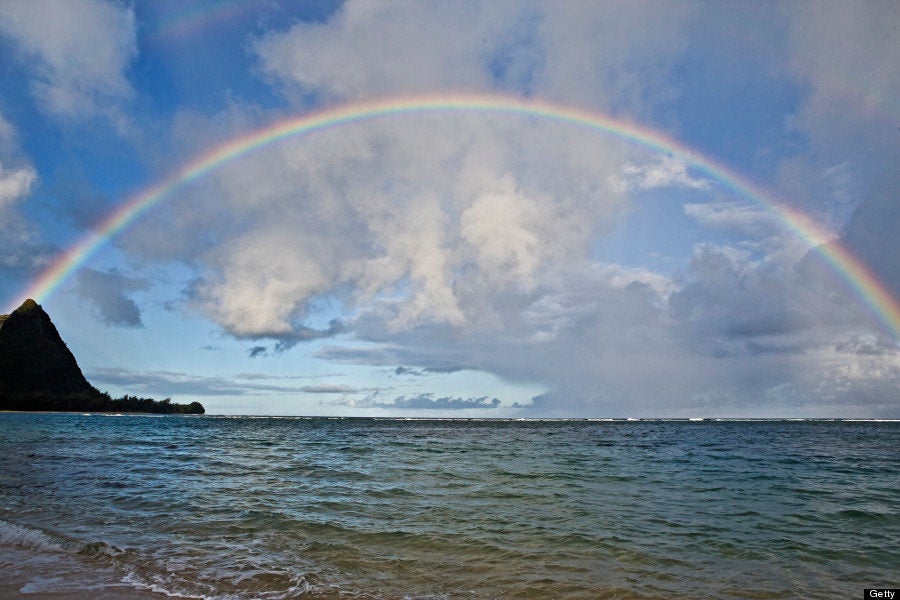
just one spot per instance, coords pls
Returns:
(460, 264)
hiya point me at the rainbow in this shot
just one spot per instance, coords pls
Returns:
(858, 276)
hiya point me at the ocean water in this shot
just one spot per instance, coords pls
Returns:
(216, 507)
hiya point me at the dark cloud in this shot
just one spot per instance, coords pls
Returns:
(256, 351)
(107, 293)
(303, 333)
(286, 341)
(401, 370)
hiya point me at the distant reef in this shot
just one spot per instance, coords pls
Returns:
(39, 373)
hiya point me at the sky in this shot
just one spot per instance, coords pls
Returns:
(563, 209)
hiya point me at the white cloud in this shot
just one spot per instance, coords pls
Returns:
(580, 53)
(15, 184)
(427, 219)
(503, 229)
(20, 250)
(77, 52)
(382, 48)
(665, 171)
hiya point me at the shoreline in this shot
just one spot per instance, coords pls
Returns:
(12, 591)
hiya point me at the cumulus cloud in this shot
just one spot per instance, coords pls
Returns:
(108, 295)
(77, 52)
(420, 218)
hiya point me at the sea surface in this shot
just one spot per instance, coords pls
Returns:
(221, 507)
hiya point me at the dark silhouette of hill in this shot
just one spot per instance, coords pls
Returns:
(38, 371)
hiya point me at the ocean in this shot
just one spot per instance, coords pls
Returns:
(101, 506)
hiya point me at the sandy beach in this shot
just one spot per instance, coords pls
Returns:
(12, 591)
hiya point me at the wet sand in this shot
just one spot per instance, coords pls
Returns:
(33, 574)
(12, 591)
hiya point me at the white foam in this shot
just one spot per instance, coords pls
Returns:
(16, 535)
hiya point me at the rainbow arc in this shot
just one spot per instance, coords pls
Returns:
(851, 269)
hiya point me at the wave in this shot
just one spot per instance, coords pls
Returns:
(23, 537)
(103, 566)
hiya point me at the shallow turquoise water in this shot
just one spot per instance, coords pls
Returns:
(360, 508)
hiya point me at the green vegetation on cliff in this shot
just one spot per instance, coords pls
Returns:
(38, 372)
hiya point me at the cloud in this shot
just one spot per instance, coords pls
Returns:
(329, 389)
(584, 54)
(742, 218)
(355, 355)
(258, 351)
(401, 370)
(16, 181)
(377, 214)
(107, 293)
(77, 52)
(472, 239)
(871, 231)
(431, 219)
(406, 371)
(429, 402)
(447, 369)
(22, 253)
(288, 339)
(261, 376)
(170, 383)
(847, 116)
(666, 171)
(15, 184)
(868, 345)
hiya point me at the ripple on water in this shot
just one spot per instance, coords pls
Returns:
(354, 508)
